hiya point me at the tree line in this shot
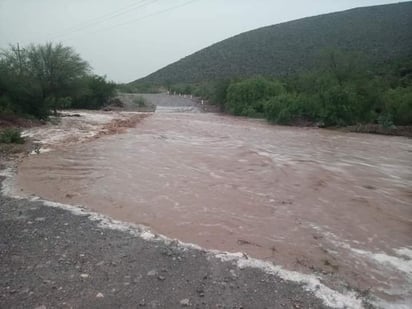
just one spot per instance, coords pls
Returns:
(37, 80)
(342, 91)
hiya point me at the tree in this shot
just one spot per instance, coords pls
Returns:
(38, 78)
(19, 92)
(57, 69)
(245, 98)
(398, 105)
(96, 93)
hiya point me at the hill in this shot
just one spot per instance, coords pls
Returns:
(381, 32)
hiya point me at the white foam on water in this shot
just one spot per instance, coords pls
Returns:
(72, 129)
(407, 252)
(401, 263)
(311, 283)
(406, 304)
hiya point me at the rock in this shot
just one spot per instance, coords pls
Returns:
(200, 292)
(185, 302)
(152, 273)
(154, 304)
(142, 303)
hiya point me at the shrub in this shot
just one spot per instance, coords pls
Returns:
(398, 103)
(6, 106)
(11, 136)
(247, 97)
(285, 108)
(338, 106)
(140, 101)
(96, 92)
(386, 120)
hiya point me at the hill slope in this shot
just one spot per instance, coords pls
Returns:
(381, 32)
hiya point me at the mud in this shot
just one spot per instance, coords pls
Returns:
(315, 201)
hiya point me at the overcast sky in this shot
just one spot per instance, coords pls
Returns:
(128, 39)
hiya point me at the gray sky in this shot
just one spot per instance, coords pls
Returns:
(128, 39)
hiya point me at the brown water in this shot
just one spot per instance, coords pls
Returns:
(311, 200)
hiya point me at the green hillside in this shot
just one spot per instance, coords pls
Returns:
(380, 32)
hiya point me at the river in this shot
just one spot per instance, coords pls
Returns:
(312, 200)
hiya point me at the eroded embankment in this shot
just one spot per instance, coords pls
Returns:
(314, 201)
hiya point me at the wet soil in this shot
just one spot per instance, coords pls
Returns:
(379, 129)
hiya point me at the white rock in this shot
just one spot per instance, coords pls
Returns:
(152, 273)
(185, 302)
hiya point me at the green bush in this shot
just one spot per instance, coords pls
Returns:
(285, 108)
(338, 106)
(43, 78)
(246, 97)
(140, 101)
(11, 136)
(386, 120)
(343, 90)
(6, 106)
(54, 103)
(398, 103)
(95, 93)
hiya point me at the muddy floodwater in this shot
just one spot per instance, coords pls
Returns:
(312, 200)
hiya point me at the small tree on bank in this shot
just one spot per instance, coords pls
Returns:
(40, 78)
(57, 69)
